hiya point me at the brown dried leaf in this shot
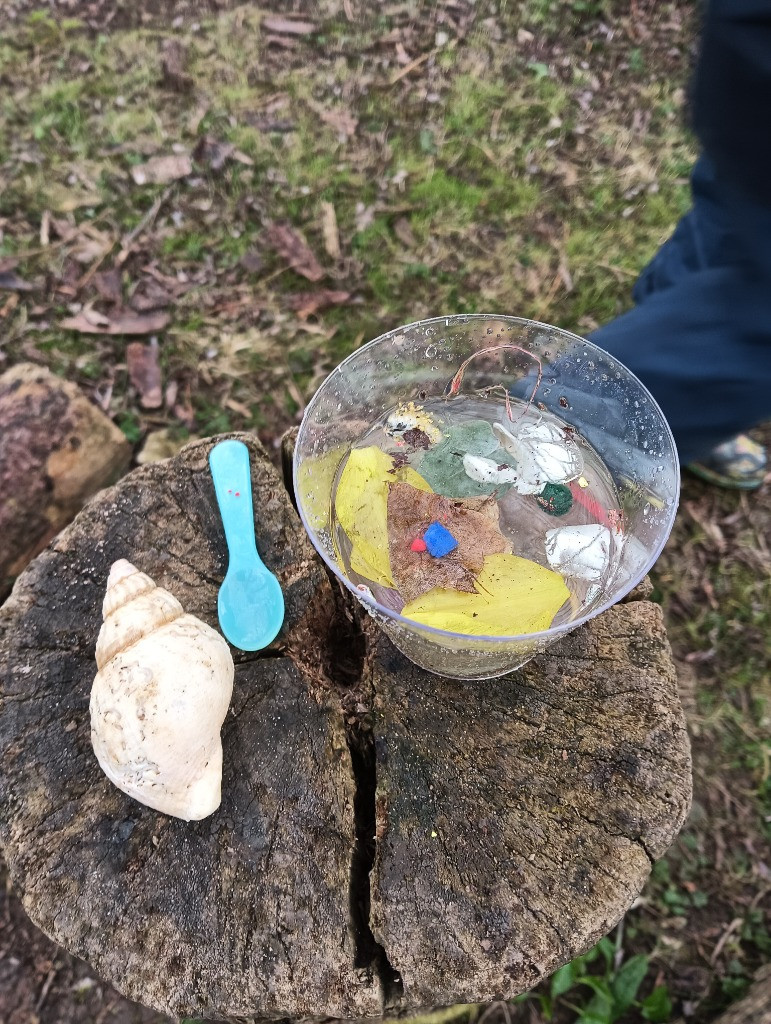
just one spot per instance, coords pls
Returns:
(290, 244)
(63, 228)
(173, 63)
(285, 42)
(89, 321)
(473, 522)
(66, 198)
(171, 284)
(108, 284)
(288, 26)
(416, 438)
(145, 373)
(183, 409)
(330, 230)
(252, 261)
(160, 170)
(568, 172)
(403, 232)
(307, 303)
(8, 306)
(216, 153)
(149, 295)
(342, 120)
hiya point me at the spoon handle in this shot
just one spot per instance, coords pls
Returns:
(229, 464)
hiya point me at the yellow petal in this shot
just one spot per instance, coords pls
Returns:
(361, 507)
(514, 596)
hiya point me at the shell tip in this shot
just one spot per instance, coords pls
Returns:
(120, 570)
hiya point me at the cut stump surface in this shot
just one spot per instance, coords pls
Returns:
(388, 840)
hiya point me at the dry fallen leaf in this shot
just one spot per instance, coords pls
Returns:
(65, 198)
(149, 294)
(173, 64)
(285, 42)
(160, 170)
(330, 230)
(8, 307)
(252, 261)
(183, 408)
(145, 373)
(89, 321)
(473, 523)
(288, 26)
(290, 244)
(215, 153)
(108, 284)
(403, 232)
(568, 172)
(307, 303)
(341, 120)
(162, 444)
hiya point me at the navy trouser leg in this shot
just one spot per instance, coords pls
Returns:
(701, 239)
(699, 337)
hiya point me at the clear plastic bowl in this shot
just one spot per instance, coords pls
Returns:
(580, 383)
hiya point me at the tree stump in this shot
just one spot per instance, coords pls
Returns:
(388, 840)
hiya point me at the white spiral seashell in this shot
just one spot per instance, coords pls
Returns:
(544, 454)
(159, 698)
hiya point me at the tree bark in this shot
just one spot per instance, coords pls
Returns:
(388, 840)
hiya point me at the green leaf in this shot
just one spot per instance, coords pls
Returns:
(562, 980)
(626, 984)
(592, 1018)
(589, 957)
(608, 950)
(657, 1007)
(599, 986)
(545, 1004)
(600, 1006)
(539, 70)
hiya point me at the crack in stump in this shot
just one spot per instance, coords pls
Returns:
(370, 954)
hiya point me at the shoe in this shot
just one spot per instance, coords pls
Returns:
(739, 464)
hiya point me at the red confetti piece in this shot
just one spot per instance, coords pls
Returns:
(418, 544)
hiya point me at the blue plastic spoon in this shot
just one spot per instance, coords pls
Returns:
(250, 604)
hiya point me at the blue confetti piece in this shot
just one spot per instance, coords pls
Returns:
(439, 541)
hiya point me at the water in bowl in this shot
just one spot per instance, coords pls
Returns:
(416, 435)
